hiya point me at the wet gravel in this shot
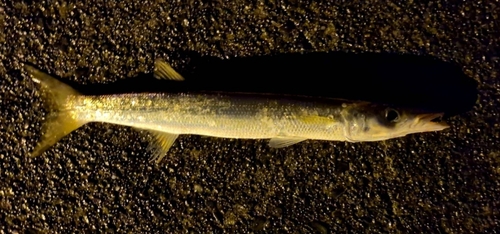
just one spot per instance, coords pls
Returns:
(98, 179)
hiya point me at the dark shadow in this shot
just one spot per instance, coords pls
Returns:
(402, 80)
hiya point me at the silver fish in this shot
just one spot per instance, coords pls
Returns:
(285, 120)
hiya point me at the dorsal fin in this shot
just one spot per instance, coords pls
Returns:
(163, 70)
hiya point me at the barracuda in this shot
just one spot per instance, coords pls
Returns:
(284, 119)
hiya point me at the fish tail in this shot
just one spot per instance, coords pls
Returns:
(60, 120)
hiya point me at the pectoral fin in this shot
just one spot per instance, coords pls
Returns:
(284, 142)
(161, 145)
(163, 70)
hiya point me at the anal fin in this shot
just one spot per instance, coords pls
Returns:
(161, 145)
(284, 142)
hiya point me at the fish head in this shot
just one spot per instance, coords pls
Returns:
(382, 122)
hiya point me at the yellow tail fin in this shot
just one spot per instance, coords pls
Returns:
(60, 121)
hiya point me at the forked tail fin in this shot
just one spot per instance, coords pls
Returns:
(60, 120)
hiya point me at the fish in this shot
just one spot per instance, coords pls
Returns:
(283, 119)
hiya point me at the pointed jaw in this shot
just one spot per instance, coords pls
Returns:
(430, 122)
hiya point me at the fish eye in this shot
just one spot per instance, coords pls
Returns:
(392, 115)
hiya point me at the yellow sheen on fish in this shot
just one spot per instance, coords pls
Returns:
(285, 120)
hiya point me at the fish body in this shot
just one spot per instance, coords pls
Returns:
(245, 116)
(286, 120)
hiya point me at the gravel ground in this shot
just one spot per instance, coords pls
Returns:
(98, 179)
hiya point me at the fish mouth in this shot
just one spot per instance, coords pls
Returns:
(432, 122)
